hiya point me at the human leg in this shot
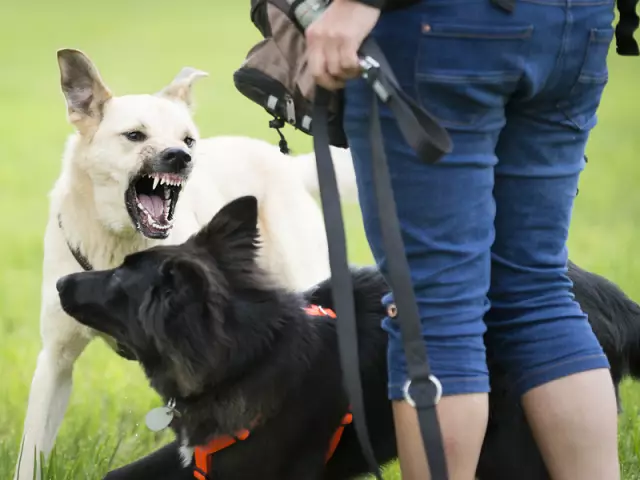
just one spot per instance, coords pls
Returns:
(445, 210)
(536, 331)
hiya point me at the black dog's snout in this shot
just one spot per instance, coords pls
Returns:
(176, 158)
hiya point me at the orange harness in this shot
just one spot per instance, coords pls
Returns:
(203, 455)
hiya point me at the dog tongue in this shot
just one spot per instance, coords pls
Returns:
(153, 204)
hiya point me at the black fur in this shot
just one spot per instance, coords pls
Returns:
(213, 331)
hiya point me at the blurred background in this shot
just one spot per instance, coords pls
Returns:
(138, 48)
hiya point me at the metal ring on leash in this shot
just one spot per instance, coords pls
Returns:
(409, 399)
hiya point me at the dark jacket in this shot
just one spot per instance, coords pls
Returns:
(389, 4)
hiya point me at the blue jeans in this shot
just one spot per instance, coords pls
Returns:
(485, 229)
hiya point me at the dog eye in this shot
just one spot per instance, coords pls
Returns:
(135, 136)
(189, 141)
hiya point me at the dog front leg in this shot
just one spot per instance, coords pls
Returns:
(164, 463)
(50, 391)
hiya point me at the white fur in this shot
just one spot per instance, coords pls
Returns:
(186, 452)
(88, 196)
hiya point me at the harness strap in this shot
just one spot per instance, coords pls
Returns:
(318, 311)
(337, 436)
(202, 460)
(203, 455)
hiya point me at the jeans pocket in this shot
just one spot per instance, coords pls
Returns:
(465, 71)
(580, 106)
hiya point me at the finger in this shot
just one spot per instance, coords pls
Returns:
(333, 51)
(349, 62)
(317, 65)
(318, 68)
(316, 61)
(330, 82)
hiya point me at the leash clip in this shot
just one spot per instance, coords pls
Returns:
(409, 399)
(370, 72)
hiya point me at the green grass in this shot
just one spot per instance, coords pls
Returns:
(139, 47)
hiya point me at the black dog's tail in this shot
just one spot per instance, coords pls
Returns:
(631, 344)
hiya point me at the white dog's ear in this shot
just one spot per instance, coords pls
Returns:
(83, 89)
(180, 88)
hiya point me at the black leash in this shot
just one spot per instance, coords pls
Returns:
(430, 141)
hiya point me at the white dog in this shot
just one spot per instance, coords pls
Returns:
(136, 173)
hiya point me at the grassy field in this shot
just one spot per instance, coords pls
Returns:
(139, 47)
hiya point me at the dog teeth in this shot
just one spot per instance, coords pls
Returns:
(167, 194)
(157, 226)
(164, 179)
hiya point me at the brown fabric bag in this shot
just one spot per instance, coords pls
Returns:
(275, 73)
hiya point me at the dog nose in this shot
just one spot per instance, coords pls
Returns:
(60, 284)
(176, 158)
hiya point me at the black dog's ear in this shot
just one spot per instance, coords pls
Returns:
(184, 316)
(188, 276)
(232, 234)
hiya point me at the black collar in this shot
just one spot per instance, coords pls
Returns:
(84, 262)
(75, 251)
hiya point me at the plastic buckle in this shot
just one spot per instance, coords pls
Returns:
(276, 123)
(370, 70)
(433, 379)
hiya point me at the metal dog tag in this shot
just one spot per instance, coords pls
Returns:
(160, 417)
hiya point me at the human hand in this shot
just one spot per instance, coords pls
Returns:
(333, 41)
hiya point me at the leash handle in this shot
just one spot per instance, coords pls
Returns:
(420, 129)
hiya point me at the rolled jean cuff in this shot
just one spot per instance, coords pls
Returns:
(562, 369)
(452, 386)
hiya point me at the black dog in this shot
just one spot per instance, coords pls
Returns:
(237, 352)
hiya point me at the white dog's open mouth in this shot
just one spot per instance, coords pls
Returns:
(151, 201)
